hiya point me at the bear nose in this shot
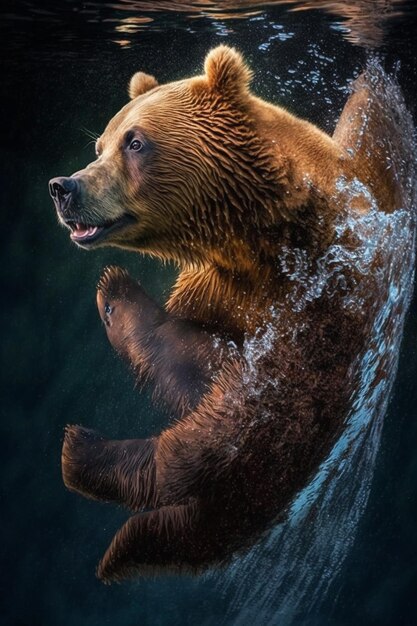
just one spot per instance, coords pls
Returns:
(62, 186)
(62, 190)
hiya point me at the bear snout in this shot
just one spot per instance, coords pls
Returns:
(64, 191)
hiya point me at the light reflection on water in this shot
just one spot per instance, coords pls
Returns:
(361, 22)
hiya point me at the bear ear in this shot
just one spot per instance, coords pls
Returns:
(141, 83)
(227, 72)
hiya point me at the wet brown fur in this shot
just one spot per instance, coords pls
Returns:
(233, 182)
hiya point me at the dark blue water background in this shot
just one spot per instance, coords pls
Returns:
(65, 70)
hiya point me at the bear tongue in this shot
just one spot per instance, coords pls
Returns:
(81, 231)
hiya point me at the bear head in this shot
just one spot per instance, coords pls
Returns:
(181, 172)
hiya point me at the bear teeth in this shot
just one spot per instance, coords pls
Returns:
(82, 230)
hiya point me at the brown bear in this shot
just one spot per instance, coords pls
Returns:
(257, 348)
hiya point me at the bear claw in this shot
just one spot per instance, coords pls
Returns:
(80, 444)
(114, 282)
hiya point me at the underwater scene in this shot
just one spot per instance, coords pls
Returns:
(233, 439)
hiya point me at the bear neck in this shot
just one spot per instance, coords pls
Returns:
(297, 212)
(283, 194)
(234, 285)
(313, 160)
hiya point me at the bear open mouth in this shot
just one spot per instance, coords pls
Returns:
(85, 234)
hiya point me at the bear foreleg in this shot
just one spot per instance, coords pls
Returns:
(179, 357)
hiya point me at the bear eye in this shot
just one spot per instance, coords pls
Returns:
(136, 145)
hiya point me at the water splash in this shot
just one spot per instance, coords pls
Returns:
(285, 579)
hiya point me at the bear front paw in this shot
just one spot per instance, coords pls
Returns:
(81, 448)
(116, 290)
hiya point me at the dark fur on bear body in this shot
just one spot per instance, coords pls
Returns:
(249, 183)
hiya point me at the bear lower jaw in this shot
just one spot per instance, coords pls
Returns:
(87, 235)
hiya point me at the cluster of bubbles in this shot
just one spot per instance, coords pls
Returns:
(289, 574)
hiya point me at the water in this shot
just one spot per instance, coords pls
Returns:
(348, 550)
(285, 579)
